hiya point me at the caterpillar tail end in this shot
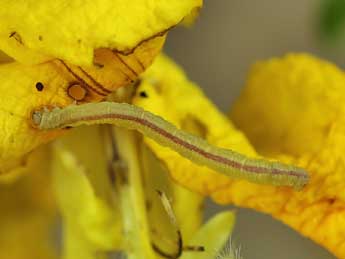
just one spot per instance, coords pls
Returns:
(302, 179)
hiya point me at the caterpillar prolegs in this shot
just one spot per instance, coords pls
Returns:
(225, 161)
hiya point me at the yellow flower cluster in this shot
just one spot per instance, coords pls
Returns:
(62, 63)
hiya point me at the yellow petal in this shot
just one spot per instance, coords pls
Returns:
(75, 246)
(189, 20)
(35, 31)
(307, 88)
(20, 98)
(302, 122)
(166, 91)
(84, 194)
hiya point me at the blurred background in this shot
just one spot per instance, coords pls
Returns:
(217, 52)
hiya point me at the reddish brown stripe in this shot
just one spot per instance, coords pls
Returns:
(101, 87)
(159, 34)
(117, 56)
(80, 80)
(222, 160)
(140, 64)
(127, 76)
(125, 64)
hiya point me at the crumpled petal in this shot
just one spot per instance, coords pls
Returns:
(36, 31)
(292, 109)
(167, 92)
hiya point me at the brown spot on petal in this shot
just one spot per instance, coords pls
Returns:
(77, 91)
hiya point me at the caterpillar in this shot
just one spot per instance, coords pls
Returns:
(196, 149)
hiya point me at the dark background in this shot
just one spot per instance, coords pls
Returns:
(217, 52)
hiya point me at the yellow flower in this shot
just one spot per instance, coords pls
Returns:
(302, 122)
(67, 53)
(112, 41)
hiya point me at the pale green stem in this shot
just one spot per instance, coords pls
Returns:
(132, 198)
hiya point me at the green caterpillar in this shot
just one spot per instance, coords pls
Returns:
(225, 161)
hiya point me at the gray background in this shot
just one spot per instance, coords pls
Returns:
(216, 53)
